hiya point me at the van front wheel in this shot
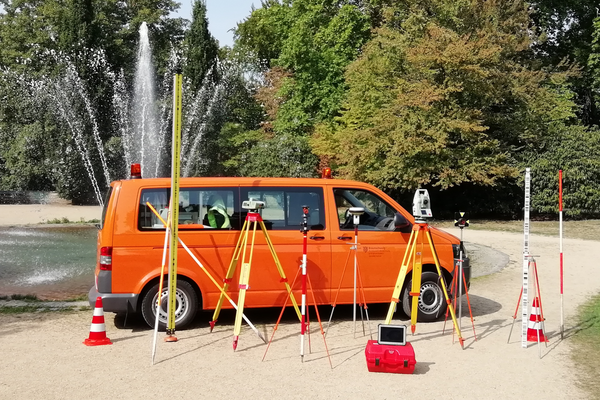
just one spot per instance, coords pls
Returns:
(432, 303)
(186, 305)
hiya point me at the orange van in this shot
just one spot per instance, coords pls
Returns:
(131, 240)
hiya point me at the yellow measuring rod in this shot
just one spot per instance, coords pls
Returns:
(175, 168)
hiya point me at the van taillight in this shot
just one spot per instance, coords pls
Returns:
(136, 171)
(106, 258)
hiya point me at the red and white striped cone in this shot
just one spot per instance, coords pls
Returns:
(535, 328)
(98, 329)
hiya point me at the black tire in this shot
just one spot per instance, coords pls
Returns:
(185, 308)
(432, 303)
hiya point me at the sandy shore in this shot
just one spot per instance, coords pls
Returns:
(43, 354)
(27, 214)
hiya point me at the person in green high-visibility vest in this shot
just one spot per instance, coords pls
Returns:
(217, 212)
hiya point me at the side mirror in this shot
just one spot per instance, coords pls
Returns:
(400, 222)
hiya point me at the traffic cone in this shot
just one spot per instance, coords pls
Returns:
(98, 329)
(536, 324)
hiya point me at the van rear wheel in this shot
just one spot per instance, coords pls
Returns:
(432, 303)
(186, 305)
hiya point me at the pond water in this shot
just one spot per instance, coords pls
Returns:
(52, 262)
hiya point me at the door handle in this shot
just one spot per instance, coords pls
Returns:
(345, 237)
(317, 237)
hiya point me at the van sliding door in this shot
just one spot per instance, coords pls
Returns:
(282, 215)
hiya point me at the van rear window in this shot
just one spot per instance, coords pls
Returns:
(199, 208)
(105, 207)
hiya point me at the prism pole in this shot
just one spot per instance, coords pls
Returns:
(304, 251)
(560, 229)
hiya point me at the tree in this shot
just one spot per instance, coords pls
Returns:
(201, 49)
(313, 41)
(567, 28)
(444, 94)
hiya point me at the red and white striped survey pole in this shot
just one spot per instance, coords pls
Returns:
(560, 229)
(526, 260)
(304, 250)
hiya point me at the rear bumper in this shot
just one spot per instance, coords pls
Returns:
(114, 302)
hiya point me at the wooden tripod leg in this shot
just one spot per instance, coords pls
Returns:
(244, 279)
(401, 275)
(241, 243)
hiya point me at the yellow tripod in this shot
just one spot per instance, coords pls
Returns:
(253, 218)
(419, 228)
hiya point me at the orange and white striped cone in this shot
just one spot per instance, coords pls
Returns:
(535, 328)
(98, 328)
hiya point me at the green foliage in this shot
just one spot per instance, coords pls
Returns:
(567, 27)
(443, 97)
(284, 155)
(594, 60)
(314, 41)
(576, 151)
(201, 48)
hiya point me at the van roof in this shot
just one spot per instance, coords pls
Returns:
(241, 181)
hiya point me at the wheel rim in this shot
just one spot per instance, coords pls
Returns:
(181, 305)
(430, 298)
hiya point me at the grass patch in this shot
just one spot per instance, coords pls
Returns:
(586, 229)
(22, 297)
(40, 308)
(586, 352)
(81, 297)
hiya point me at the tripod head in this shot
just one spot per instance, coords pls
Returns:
(253, 205)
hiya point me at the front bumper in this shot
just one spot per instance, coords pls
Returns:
(114, 302)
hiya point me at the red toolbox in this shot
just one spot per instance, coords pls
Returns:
(398, 359)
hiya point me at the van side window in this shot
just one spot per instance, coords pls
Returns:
(283, 206)
(378, 216)
(199, 208)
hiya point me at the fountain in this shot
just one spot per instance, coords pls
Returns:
(143, 126)
(142, 143)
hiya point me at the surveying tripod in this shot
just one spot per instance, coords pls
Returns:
(252, 218)
(306, 285)
(419, 229)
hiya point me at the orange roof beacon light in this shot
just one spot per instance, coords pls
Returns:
(326, 174)
(136, 171)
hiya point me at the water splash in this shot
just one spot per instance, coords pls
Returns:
(143, 141)
(143, 126)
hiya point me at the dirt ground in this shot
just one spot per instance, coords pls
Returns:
(43, 355)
